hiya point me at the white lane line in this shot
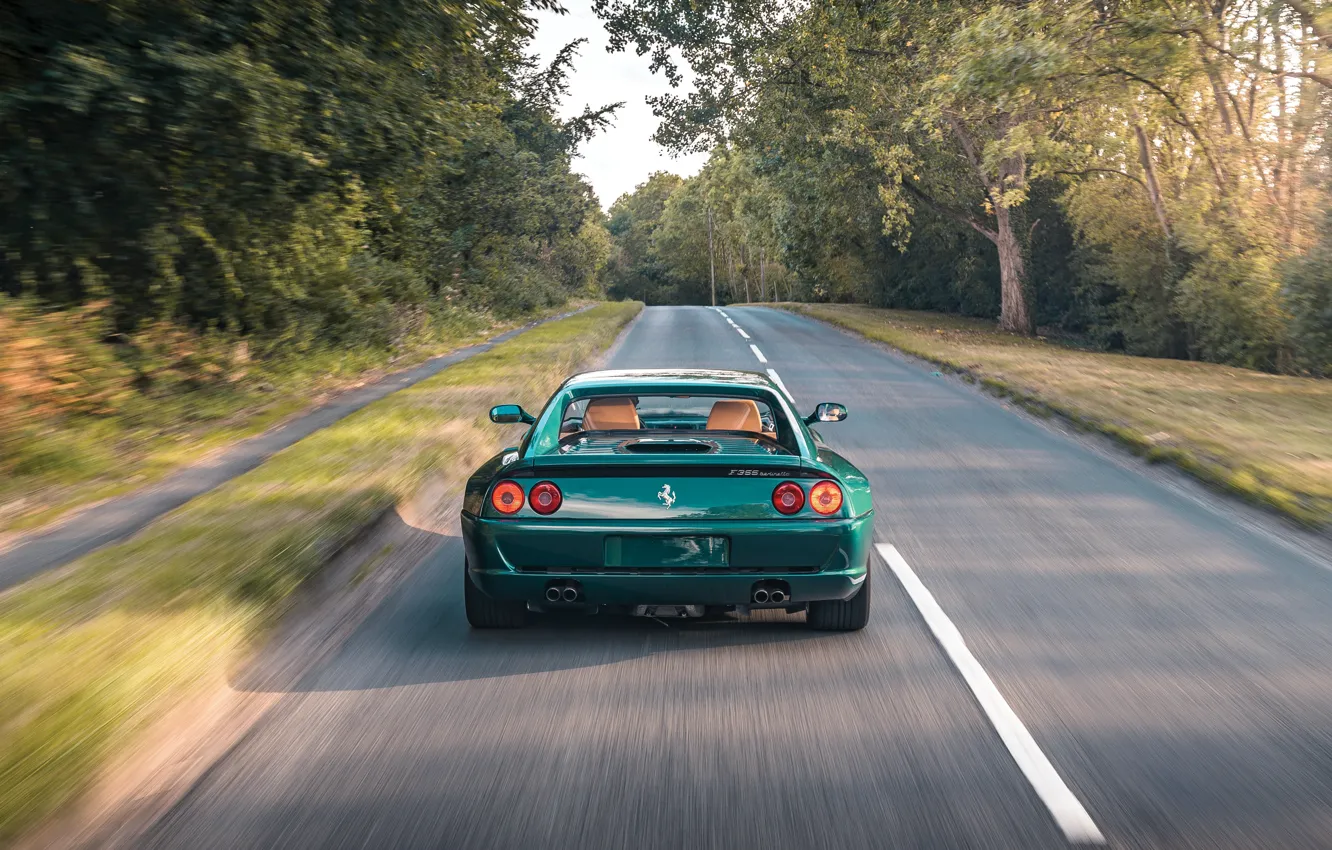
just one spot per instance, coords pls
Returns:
(730, 321)
(721, 312)
(757, 353)
(1067, 811)
(741, 331)
(777, 379)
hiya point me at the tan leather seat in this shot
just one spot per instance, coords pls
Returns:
(735, 415)
(611, 414)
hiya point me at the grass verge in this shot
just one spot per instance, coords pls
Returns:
(1265, 438)
(53, 463)
(93, 652)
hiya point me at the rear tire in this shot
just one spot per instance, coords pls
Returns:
(838, 615)
(486, 612)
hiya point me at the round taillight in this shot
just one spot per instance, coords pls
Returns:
(507, 497)
(825, 498)
(545, 498)
(788, 498)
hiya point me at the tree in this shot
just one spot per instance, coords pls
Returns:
(902, 80)
(292, 170)
(635, 270)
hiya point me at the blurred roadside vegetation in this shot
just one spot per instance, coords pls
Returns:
(82, 420)
(210, 209)
(1151, 177)
(92, 653)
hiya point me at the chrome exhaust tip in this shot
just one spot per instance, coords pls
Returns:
(552, 594)
(777, 596)
(761, 596)
(569, 594)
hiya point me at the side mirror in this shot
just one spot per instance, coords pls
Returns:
(828, 411)
(510, 414)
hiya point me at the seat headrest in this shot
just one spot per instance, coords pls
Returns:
(611, 414)
(735, 415)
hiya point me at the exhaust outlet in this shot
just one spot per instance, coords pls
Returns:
(777, 596)
(761, 596)
(552, 594)
(569, 594)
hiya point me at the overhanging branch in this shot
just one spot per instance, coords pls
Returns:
(945, 210)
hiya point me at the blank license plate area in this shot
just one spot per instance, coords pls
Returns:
(666, 552)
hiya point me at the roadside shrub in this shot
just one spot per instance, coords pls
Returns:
(1230, 301)
(1307, 293)
(57, 363)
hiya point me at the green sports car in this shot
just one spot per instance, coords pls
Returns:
(680, 493)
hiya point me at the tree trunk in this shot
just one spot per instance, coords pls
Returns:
(1013, 313)
(1305, 121)
(763, 268)
(730, 273)
(744, 261)
(712, 265)
(1153, 185)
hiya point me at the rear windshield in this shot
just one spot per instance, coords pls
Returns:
(683, 415)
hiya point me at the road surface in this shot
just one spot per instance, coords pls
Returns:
(1170, 667)
(113, 519)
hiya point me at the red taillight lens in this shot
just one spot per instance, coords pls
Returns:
(788, 498)
(507, 497)
(825, 498)
(545, 498)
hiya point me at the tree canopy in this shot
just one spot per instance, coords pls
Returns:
(281, 167)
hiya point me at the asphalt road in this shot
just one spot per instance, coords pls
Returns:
(1172, 666)
(114, 519)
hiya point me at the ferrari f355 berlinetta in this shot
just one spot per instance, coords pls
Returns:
(668, 493)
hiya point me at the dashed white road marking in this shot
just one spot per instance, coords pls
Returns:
(1067, 811)
(721, 312)
(730, 321)
(777, 379)
(741, 331)
(757, 353)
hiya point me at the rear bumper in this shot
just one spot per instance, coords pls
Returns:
(818, 559)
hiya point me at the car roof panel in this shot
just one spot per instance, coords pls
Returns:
(714, 379)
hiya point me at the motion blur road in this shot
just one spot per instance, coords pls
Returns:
(1172, 666)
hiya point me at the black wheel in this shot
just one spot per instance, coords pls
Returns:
(484, 612)
(841, 616)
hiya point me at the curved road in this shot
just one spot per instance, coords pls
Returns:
(1171, 666)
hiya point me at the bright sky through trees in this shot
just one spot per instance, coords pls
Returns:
(622, 156)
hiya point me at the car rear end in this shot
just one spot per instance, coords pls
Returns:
(738, 526)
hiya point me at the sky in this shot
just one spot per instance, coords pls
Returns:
(621, 156)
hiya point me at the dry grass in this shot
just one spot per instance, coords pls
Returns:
(53, 462)
(1267, 438)
(91, 653)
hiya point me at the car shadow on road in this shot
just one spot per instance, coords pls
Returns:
(420, 635)
(447, 650)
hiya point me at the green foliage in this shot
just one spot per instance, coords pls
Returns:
(199, 190)
(635, 270)
(1308, 296)
(287, 169)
